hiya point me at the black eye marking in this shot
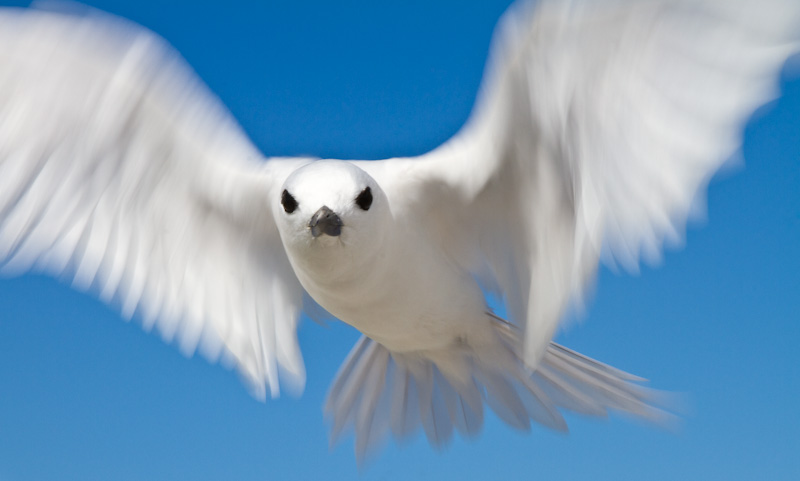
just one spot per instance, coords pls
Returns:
(288, 202)
(364, 199)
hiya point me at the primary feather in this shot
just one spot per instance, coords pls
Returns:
(121, 173)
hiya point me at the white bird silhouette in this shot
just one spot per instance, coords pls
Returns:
(598, 124)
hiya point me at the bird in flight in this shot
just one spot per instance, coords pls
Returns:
(597, 125)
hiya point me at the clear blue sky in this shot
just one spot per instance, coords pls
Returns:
(86, 396)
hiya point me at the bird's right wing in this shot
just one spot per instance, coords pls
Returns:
(121, 173)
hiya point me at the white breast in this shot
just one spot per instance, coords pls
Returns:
(406, 296)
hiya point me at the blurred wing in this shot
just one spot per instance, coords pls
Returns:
(597, 125)
(121, 172)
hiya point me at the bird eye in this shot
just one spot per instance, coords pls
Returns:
(288, 202)
(364, 199)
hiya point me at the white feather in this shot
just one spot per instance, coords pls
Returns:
(118, 166)
(598, 124)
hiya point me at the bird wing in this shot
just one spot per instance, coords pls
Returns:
(597, 126)
(121, 173)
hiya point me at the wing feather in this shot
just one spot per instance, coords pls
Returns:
(122, 174)
(598, 125)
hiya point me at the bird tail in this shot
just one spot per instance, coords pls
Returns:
(378, 391)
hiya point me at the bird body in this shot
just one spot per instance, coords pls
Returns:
(422, 303)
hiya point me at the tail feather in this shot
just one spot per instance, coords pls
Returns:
(436, 420)
(405, 410)
(465, 417)
(566, 395)
(611, 392)
(378, 391)
(587, 363)
(367, 419)
(345, 370)
(504, 400)
(540, 406)
(349, 396)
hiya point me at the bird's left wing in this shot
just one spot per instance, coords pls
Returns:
(598, 123)
(121, 173)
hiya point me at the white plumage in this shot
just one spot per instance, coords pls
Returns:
(598, 125)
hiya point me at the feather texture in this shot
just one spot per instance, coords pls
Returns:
(415, 392)
(122, 174)
(597, 128)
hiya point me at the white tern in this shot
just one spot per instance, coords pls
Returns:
(596, 129)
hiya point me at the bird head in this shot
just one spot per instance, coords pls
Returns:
(331, 207)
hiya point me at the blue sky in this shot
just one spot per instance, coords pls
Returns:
(86, 396)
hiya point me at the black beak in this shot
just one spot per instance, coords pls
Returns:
(325, 221)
